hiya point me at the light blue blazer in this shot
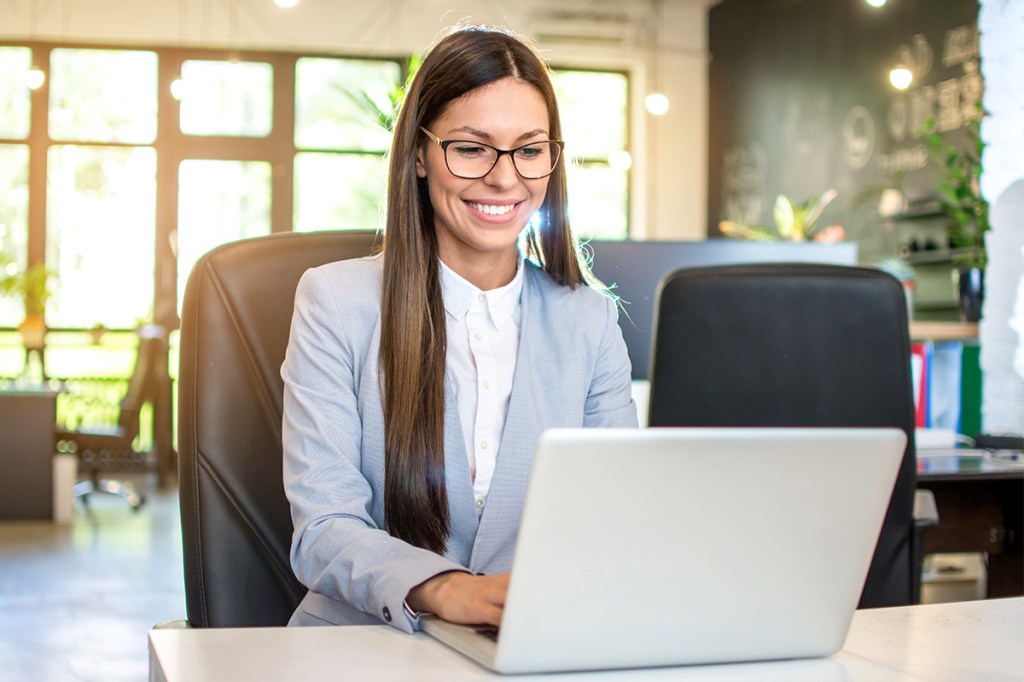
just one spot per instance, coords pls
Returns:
(572, 370)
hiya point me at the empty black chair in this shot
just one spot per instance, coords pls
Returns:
(235, 521)
(795, 345)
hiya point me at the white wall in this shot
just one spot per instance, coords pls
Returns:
(670, 167)
(1001, 331)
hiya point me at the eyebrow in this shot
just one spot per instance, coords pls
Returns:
(487, 136)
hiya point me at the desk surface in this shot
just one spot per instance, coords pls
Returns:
(968, 464)
(975, 641)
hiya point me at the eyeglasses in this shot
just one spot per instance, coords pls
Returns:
(472, 160)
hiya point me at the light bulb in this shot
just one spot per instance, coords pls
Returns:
(34, 78)
(620, 160)
(178, 89)
(876, 3)
(286, 4)
(656, 103)
(901, 77)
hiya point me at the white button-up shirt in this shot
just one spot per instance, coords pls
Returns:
(483, 340)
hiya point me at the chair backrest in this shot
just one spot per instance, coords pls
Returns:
(142, 382)
(793, 345)
(235, 520)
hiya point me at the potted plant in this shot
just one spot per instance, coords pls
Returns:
(902, 271)
(794, 222)
(958, 172)
(32, 285)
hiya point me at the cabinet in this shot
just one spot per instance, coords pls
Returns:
(27, 419)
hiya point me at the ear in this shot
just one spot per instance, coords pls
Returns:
(421, 167)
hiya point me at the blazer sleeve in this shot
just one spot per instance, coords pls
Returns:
(609, 400)
(338, 548)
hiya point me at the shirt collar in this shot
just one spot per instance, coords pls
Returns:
(459, 294)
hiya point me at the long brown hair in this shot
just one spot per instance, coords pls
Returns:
(413, 342)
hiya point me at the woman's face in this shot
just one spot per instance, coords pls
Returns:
(478, 221)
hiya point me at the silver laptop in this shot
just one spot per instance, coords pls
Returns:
(674, 546)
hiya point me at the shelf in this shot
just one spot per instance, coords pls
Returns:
(935, 256)
(943, 331)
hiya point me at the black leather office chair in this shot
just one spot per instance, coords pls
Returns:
(105, 451)
(795, 345)
(235, 522)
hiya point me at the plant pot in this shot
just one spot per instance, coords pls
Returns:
(33, 332)
(970, 284)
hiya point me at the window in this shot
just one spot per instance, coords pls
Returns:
(342, 118)
(226, 98)
(101, 190)
(13, 223)
(101, 209)
(218, 202)
(261, 143)
(15, 63)
(594, 107)
(103, 96)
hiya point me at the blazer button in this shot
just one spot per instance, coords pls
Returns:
(387, 614)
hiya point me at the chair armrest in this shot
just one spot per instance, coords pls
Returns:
(926, 513)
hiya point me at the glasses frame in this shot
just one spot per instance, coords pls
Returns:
(444, 144)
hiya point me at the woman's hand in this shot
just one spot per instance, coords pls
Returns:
(462, 597)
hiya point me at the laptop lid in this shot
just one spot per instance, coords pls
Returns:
(669, 546)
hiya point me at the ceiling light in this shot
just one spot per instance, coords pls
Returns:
(876, 3)
(656, 103)
(34, 78)
(620, 160)
(286, 4)
(901, 77)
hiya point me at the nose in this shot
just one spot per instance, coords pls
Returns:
(504, 173)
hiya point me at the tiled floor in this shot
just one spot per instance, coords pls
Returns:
(77, 601)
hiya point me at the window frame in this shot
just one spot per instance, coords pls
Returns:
(173, 146)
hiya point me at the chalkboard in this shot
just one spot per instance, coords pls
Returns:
(800, 103)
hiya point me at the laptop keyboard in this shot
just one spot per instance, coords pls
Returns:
(489, 632)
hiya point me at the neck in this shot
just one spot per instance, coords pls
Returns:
(485, 273)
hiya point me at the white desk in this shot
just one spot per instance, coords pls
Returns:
(975, 641)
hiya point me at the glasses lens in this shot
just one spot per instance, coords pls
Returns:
(469, 159)
(536, 160)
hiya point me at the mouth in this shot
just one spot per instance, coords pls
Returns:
(493, 210)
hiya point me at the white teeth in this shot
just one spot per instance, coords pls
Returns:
(491, 209)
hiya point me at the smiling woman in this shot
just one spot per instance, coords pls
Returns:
(406, 422)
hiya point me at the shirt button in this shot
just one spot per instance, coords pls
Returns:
(478, 336)
(487, 384)
(479, 503)
(483, 445)
(481, 298)
(387, 614)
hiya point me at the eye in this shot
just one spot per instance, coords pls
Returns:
(531, 152)
(469, 150)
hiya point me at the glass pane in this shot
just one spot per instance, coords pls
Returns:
(103, 95)
(341, 103)
(594, 109)
(14, 114)
(227, 98)
(101, 213)
(13, 224)
(339, 191)
(597, 201)
(219, 202)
